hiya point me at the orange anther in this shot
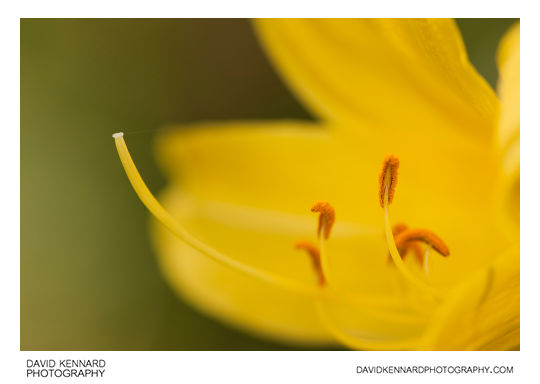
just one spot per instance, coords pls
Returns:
(315, 257)
(425, 236)
(388, 178)
(327, 217)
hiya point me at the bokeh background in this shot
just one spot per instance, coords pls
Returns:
(89, 279)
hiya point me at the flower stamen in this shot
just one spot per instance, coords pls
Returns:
(425, 236)
(315, 257)
(327, 217)
(407, 239)
(387, 186)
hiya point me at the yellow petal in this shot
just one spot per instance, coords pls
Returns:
(446, 182)
(265, 240)
(482, 313)
(409, 74)
(508, 125)
(246, 189)
(252, 163)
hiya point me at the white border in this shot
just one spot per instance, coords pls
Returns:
(264, 367)
(275, 8)
(282, 367)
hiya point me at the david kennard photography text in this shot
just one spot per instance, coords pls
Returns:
(65, 368)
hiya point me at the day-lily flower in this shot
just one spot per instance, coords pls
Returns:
(422, 253)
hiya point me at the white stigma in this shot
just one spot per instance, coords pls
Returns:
(117, 135)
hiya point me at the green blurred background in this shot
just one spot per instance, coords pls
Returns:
(89, 280)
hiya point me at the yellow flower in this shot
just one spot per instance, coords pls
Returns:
(240, 195)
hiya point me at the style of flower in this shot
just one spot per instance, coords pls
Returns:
(237, 239)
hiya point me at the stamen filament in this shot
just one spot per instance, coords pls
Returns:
(324, 258)
(400, 265)
(326, 220)
(426, 261)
